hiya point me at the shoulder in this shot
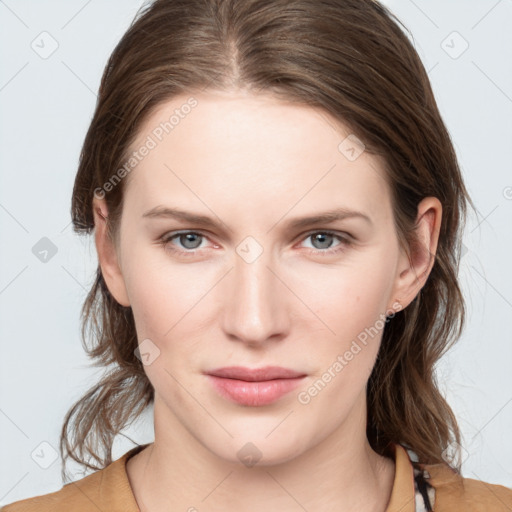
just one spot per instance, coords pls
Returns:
(77, 496)
(454, 492)
(107, 489)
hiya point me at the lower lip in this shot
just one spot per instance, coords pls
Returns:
(254, 393)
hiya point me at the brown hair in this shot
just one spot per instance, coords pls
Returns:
(351, 59)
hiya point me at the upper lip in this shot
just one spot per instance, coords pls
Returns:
(255, 374)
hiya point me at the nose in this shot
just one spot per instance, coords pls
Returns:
(256, 304)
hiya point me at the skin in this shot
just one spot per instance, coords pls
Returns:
(252, 163)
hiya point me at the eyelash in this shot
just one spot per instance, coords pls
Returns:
(167, 237)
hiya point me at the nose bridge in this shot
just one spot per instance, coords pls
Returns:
(255, 307)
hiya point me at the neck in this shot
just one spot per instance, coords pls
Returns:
(340, 473)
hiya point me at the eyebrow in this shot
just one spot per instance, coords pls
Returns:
(294, 223)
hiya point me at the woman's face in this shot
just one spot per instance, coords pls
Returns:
(255, 284)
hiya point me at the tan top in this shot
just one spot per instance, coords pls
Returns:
(109, 490)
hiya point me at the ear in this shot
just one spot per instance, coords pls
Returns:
(413, 270)
(107, 254)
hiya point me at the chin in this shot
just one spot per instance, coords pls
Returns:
(258, 449)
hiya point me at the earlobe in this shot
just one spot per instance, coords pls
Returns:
(414, 269)
(107, 254)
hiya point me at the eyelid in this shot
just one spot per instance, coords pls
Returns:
(345, 240)
(340, 234)
(167, 237)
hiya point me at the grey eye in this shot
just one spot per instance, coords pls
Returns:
(190, 240)
(324, 240)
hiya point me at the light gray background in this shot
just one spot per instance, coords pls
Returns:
(46, 106)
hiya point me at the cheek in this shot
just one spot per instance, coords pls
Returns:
(349, 298)
(350, 304)
(161, 293)
(161, 300)
(352, 307)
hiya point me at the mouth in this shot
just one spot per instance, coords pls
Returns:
(254, 387)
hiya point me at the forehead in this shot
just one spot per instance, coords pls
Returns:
(252, 150)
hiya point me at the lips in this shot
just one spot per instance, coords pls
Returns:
(256, 374)
(254, 387)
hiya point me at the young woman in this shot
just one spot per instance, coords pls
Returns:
(277, 209)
